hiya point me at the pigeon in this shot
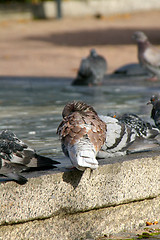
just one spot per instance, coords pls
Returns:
(82, 134)
(143, 129)
(155, 112)
(127, 134)
(16, 156)
(131, 69)
(118, 138)
(148, 55)
(92, 70)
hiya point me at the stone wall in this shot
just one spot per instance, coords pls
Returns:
(72, 8)
(15, 11)
(121, 195)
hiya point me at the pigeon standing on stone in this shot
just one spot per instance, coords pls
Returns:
(148, 55)
(155, 112)
(82, 134)
(143, 129)
(92, 70)
(118, 138)
(16, 156)
(127, 134)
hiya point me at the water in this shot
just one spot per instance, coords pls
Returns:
(31, 107)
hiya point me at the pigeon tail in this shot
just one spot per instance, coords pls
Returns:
(41, 163)
(86, 159)
(82, 156)
(11, 171)
(16, 178)
(143, 145)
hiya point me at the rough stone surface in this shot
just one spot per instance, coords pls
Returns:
(123, 180)
(87, 225)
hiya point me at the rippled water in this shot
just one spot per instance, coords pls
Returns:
(31, 107)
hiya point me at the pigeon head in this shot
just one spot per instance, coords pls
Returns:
(77, 106)
(139, 36)
(154, 99)
(93, 52)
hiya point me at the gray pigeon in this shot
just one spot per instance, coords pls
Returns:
(127, 133)
(155, 113)
(131, 69)
(118, 138)
(92, 70)
(16, 156)
(143, 129)
(148, 55)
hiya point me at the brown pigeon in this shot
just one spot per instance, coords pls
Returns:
(82, 134)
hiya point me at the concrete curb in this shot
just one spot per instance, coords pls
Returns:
(87, 225)
(78, 197)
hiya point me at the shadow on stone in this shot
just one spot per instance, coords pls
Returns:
(73, 177)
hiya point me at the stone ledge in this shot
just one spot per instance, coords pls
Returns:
(88, 225)
(116, 181)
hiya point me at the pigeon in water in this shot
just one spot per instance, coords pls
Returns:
(92, 70)
(155, 112)
(148, 55)
(127, 133)
(82, 134)
(16, 156)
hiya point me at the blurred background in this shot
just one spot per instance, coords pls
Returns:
(66, 30)
(41, 47)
